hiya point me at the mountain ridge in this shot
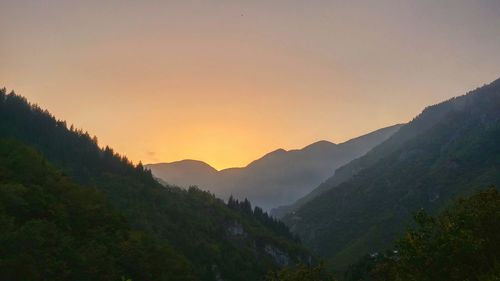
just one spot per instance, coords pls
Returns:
(280, 176)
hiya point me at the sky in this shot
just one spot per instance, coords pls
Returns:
(227, 81)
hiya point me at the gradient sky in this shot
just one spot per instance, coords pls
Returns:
(228, 81)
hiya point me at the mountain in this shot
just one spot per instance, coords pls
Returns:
(184, 173)
(200, 236)
(279, 177)
(447, 151)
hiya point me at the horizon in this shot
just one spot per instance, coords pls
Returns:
(227, 82)
(274, 150)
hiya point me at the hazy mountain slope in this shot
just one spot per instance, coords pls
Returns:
(432, 116)
(360, 144)
(279, 177)
(235, 243)
(184, 173)
(448, 150)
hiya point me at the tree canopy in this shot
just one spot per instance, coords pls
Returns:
(461, 243)
(54, 229)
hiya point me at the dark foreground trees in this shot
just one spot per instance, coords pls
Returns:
(54, 229)
(301, 272)
(462, 243)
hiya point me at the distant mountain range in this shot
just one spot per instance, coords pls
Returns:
(449, 150)
(280, 177)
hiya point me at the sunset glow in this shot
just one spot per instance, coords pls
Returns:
(228, 81)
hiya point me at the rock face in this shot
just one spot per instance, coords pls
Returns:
(236, 229)
(281, 258)
(278, 178)
(237, 235)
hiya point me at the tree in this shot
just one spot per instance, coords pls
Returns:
(301, 272)
(463, 243)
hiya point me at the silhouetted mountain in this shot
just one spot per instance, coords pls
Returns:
(448, 150)
(279, 177)
(191, 230)
(184, 173)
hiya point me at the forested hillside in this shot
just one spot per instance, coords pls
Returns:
(449, 150)
(54, 229)
(215, 240)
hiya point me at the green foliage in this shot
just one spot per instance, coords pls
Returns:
(245, 207)
(193, 224)
(462, 243)
(301, 272)
(53, 229)
(373, 267)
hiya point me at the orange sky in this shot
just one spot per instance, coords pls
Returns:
(228, 81)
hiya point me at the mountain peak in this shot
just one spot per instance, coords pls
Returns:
(320, 144)
(181, 173)
(185, 164)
